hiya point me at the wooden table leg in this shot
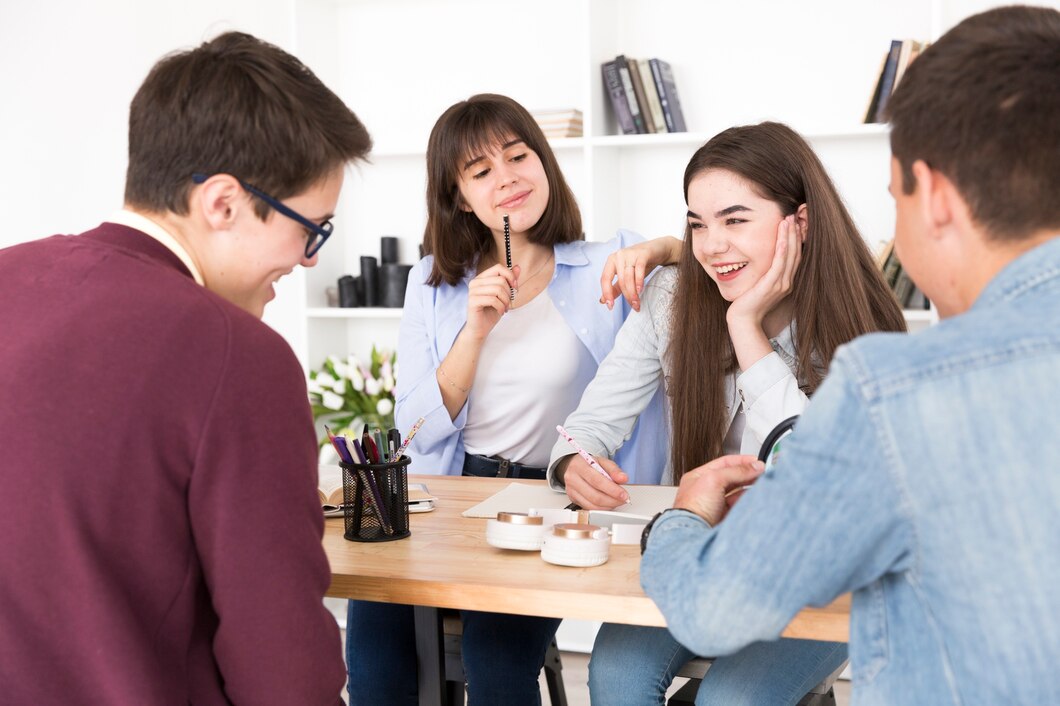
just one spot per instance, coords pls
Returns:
(430, 656)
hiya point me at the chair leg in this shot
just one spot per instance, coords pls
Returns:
(454, 693)
(557, 694)
(827, 699)
(686, 695)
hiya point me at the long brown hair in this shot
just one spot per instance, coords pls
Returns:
(457, 238)
(837, 294)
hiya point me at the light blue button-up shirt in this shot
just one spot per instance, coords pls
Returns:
(925, 478)
(433, 316)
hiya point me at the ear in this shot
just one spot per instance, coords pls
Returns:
(802, 222)
(219, 200)
(463, 206)
(934, 197)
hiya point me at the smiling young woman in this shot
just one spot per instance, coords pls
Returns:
(772, 277)
(493, 359)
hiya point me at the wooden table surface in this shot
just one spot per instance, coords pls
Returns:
(446, 563)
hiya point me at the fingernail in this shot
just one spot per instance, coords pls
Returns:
(759, 466)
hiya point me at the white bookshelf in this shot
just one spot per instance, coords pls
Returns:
(400, 63)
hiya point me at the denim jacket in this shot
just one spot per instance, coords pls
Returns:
(433, 316)
(925, 478)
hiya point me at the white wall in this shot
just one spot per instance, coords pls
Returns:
(68, 70)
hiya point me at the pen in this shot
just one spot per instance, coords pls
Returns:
(393, 441)
(368, 479)
(586, 457)
(408, 439)
(508, 253)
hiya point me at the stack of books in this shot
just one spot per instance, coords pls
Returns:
(895, 62)
(905, 291)
(559, 123)
(643, 95)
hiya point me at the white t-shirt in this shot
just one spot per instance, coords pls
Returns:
(523, 386)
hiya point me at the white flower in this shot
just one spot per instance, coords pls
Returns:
(384, 406)
(341, 369)
(386, 370)
(356, 379)
(314, 386)
(331, 400)
(372, 386)
(325, 379)
(339, 387)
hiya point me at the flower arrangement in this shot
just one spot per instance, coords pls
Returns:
(346, 393)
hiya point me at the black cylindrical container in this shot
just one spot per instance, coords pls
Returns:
(388, 250)
(347, 292)
(375, 500)
(392, 282)
(370, 277)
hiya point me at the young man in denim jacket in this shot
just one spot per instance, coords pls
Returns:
(924, 476)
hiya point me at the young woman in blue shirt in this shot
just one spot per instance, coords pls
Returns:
(493, 359)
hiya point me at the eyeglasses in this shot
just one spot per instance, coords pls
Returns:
(317, 233)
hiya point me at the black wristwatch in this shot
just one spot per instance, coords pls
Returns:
(651, 523)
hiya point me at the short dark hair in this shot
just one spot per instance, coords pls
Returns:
(982, 106)
(457, 238)
(241, 106)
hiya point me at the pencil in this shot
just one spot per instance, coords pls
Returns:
(508, 253)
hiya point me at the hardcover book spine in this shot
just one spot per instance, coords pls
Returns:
(642, 98)
(615, 91)
(675, 120)
(631, 97)
(887, 82)
(664, 102)
(652, 95)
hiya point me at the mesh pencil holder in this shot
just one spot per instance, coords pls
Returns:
(375, 498)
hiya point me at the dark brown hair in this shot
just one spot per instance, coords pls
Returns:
(837, 294)
(241, 106)
(982, 106)
(457, 238)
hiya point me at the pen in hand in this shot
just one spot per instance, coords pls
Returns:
(587, 457)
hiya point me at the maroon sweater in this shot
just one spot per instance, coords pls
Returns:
(159, 524)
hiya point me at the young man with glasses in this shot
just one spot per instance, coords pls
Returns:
(923, 477)
(160, 522)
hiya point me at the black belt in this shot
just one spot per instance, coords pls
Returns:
(497, 467)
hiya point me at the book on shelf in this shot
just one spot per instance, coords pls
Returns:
(905, 290)
(663, 75)
(631, 95)
(617, 94)
(895, 63)
(559, 123)
(652, 95)
(639, 94)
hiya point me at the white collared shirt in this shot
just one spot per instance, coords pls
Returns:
(142, 223)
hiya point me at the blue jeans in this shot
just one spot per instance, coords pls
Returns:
(502, 655)
(635, 665)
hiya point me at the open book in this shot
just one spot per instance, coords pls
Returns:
(329, 490)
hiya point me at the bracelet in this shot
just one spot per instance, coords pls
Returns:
(448, 379)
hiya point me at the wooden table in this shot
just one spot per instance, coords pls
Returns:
(446, 563)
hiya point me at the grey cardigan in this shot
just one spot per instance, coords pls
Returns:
(765, 395)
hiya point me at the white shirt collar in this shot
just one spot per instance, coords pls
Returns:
(144, 224)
